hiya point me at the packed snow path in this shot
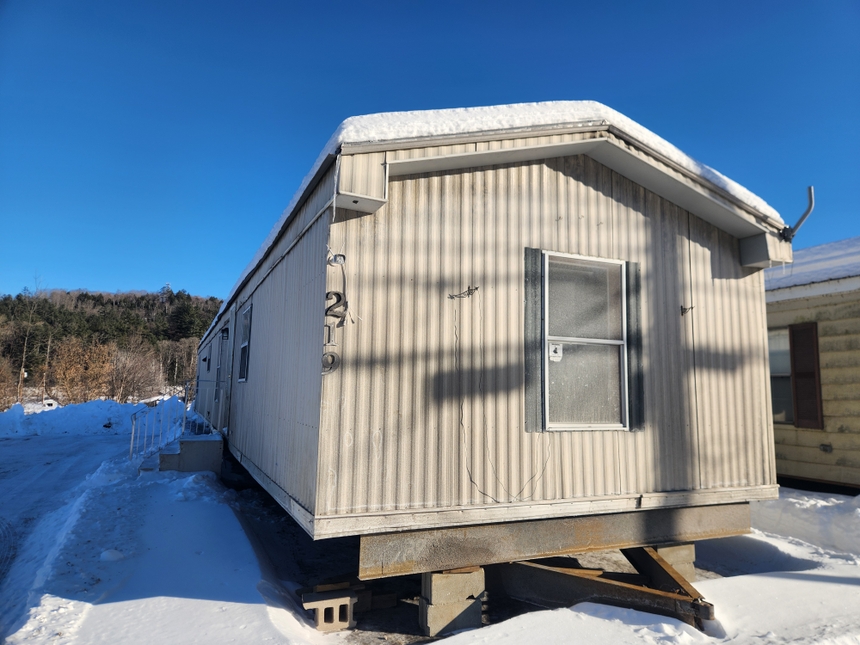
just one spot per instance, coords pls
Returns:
(38, 473)
(104, 555)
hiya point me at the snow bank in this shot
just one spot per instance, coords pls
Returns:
(586, 623)
(827, 521)
(34, 407)
(91, 418)
(393, 126)
(11, 421)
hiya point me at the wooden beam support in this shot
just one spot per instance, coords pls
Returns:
(563, 587)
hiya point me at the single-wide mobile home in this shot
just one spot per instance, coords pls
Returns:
(813, 316)
(480, 335)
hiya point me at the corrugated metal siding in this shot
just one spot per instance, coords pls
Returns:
(363, 174)
(426, 410)
(275, 413)
(798, 452)
(731, 363)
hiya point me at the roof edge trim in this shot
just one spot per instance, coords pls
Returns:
(591, 125)
(813, 289)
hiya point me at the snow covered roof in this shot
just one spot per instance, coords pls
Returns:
(833, 261)
(397, 126)
(389, 127)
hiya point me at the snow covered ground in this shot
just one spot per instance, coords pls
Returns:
(91, 552)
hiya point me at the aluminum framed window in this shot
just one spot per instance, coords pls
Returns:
(795, 376)
(584, 349)
(779, 355)
(245, 345)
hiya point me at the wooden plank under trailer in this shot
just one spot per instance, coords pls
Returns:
(657, 588)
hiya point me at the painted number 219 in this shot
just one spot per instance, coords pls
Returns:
(336, 310)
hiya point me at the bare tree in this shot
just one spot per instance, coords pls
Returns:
(178, 359)
(82, 370)
(31, 298)
(136, 371)
(188, 347)
(45, 393)
(167, 354)
(7, 383)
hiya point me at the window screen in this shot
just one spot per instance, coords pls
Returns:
(584, 345)
(779, 355)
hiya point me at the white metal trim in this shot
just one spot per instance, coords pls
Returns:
(566, 427)
(544, 302)
(329, 526)
(298, 512)
(360, 203)
(546, 338)
(584, 341)
(503, 134)
(478, 158)
(827, 288)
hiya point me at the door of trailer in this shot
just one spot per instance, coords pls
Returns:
(223, 378)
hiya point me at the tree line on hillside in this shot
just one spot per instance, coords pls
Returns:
(74, 346)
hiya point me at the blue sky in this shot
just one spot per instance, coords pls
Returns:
(146, 142)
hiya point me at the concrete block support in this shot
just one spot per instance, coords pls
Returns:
(682, 558)
(451, 601)
(441, 588)
(437, 620)
(333, 610)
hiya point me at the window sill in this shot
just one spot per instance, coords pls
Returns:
(586, 428)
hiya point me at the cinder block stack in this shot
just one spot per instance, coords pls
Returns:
(333, 610)
(682, 557)
(451, 600)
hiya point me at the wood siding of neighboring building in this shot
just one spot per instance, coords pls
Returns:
(831, 454)
(426, 409)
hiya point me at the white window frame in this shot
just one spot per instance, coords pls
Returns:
(547, 339)
(245, 344)
(784, 332)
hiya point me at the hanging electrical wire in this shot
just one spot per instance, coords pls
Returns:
(537, 476)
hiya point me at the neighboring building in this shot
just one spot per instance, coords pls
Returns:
(813, 319)
(488, 316)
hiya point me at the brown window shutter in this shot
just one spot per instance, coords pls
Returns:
(805, 376)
